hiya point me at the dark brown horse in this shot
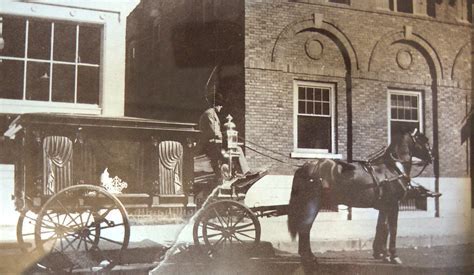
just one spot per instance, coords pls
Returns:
(379, 183)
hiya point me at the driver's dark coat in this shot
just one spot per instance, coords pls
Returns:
(210, 126)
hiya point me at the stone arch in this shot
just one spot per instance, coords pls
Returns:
(324, 27)
(414, 40)
(458, 57)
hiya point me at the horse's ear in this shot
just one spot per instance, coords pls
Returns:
(414, 132)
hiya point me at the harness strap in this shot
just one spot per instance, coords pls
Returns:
(377, 183)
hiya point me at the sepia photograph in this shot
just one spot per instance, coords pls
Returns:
(236, 137)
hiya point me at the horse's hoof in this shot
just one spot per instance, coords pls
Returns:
(309, 259)
(396, 260)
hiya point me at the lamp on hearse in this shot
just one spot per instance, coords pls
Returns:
(232, 136)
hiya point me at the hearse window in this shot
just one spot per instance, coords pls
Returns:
(49, 61)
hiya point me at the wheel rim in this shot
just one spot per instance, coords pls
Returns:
(224, 226)
(82, 227)
(25, 230)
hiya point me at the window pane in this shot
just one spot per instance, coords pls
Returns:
(310, 94)
(13, 37)
(394, 113)
(470, 5)
(11, 79)
(64, 42)
(414, 114)
(39, 40)
(314, 133)
(407, 114)
(301, 107)
(325, 109)
(431, 8)
(395, 102)
(405, 6)
(414, 101)
(317, 94)
(309, 107)
(37, 81)
(63, 83)
(325, 94)
(89, 45)
(88, 85)
(301, 92)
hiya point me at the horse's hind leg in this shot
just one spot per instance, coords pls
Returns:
(310, 212)
(381, 234)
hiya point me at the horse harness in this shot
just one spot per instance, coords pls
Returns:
(368, 165)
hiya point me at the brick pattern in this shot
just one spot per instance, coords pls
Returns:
(270, 31)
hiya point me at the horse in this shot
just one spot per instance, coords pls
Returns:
(380, 183)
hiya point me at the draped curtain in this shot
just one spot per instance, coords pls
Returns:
(57, 158)
(170, 171)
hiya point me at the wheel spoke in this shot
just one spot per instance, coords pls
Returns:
(115, 225)
(243, 226)
(55, 236)
(213, 235)
(88, 218)
(70, 242)
(67, 211)
(219, 241)
(219, 218)
(214, 226)
(74, 220)
(79, 244)
(250, 237)
(240, 218)
(109, 240)
(30, 218)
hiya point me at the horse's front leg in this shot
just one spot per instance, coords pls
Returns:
(392, 226)
(381, 235)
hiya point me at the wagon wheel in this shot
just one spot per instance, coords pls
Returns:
(226, 227)
(25, 230)
(82, 227)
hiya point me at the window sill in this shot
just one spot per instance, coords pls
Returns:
(313, 155)
(14, 106)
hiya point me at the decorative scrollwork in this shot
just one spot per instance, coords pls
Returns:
(112, 185)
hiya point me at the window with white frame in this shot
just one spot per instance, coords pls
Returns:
(314, 117)
(49, 61)
(405, 112)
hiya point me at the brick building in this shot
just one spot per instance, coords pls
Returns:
(311, 78)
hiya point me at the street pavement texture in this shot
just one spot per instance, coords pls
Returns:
(147, 258)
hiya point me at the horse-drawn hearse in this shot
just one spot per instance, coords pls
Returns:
(77, 176)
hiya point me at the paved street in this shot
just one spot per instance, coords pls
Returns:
(147, 256)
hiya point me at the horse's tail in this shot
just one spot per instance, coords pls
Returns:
(294, 207)
(300, 193)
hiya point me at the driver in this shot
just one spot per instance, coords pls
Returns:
(211, 134)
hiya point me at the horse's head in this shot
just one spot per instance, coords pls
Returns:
(421, 147)
(409, 145)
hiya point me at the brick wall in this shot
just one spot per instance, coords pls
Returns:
(365, 45)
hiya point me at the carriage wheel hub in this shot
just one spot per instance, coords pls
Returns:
(85, 232)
